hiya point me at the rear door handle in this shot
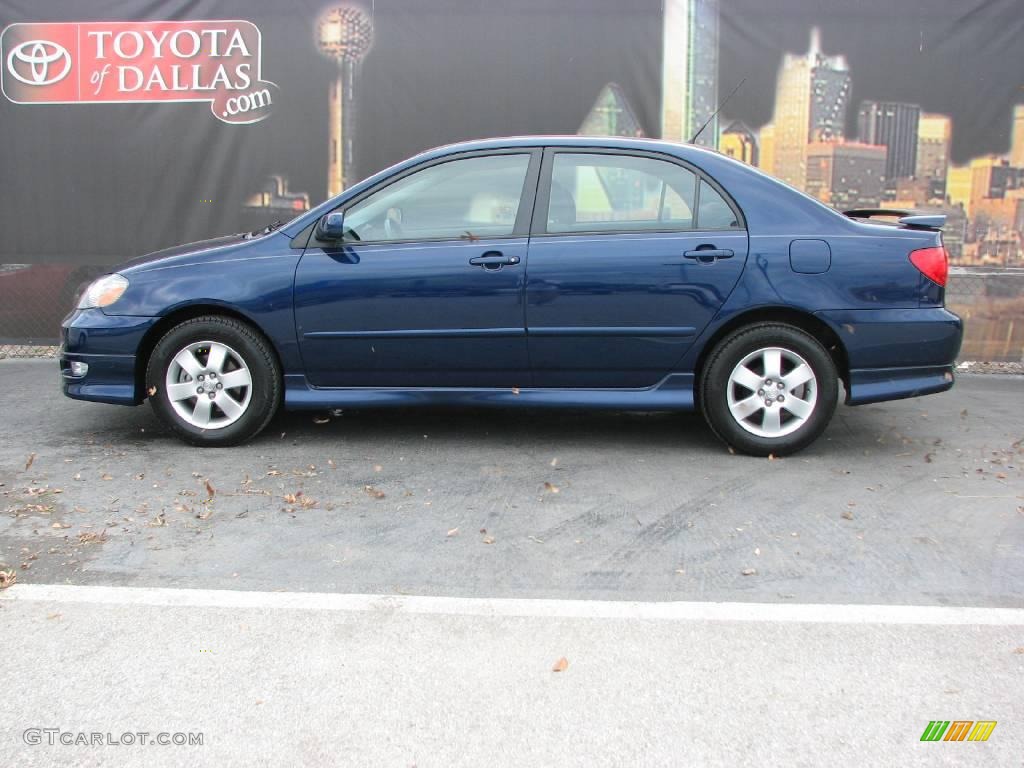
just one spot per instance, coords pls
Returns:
(708, 253)
(494, 260)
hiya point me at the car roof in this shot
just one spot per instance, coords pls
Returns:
(574, 140)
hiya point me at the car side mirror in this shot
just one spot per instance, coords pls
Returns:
(331, 226)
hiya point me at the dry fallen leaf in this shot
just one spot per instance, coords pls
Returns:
(561, 665)
(210, 489)
(106, 476)
(61, 525)
(847, 514)
(91, 537)
(454, 531)
(31, 458)
(377, 468)
(375, 492)
(488, 539)
(53, 616)
(151, 391)
(7, 578)
(551, 487)
(749, 571)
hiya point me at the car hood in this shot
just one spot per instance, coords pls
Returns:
(217, 248)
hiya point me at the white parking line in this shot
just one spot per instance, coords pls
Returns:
(473, 606)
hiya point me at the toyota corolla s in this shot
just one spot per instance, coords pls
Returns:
(538, 271)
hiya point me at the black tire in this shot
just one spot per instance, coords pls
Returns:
(715, 389)
(261, 397)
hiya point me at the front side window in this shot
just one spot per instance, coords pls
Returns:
(467, 198)
(592, 192)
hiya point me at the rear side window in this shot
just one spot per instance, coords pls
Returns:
(713, 212)
(602, 192)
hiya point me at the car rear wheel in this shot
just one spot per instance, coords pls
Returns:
(769, 389)
(214, 381)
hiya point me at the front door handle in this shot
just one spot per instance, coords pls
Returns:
(494, 260)
(708, 253)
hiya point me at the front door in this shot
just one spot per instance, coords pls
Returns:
(632, 256)
(426, 287)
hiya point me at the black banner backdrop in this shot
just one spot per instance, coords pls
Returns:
(130, 126)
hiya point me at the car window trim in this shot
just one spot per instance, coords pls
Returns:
(542, 199)
(524, 214)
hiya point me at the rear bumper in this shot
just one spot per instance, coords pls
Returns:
(874, 385)
(108, 345)
(897, 353)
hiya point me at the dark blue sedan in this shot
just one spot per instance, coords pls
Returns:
(537, 271)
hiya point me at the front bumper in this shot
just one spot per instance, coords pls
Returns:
(108, 345)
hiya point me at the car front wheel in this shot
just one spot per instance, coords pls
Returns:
(769, 389)
(214, 381)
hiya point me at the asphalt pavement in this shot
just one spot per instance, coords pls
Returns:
(400, 587)
(916, 502)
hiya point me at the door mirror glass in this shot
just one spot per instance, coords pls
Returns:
(331, 226)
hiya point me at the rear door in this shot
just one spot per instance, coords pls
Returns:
(426, 288)
(631, 255)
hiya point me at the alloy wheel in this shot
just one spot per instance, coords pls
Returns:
(209, 385)
(772, 392)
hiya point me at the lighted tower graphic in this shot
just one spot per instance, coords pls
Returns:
(689, 70)
(345, 34)
(811, 94)
(611, 115)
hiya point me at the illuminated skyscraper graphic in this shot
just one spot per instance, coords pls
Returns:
(689, 70)
(611, 115)
(345, 35)
(934, 136)
(893, 125)
(811, 94)
(738, 141)
(845, 175)
(1017, 137)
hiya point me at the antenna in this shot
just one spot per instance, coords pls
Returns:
(719, 109)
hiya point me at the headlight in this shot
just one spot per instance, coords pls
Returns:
(103, 292)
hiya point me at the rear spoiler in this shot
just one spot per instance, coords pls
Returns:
(906, 218)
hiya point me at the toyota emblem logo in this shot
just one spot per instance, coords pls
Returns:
(39, 60)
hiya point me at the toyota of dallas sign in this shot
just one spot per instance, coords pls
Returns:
(148, 61)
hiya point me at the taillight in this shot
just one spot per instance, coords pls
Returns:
(933, 263)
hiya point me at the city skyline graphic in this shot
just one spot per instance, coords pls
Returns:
(899, 156)
(859, 105)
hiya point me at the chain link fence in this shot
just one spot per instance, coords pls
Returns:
(991, 302)
(35, 297)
